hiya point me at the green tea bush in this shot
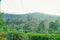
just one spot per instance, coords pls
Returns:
(34, 36)
(30, 36)
(17, 36)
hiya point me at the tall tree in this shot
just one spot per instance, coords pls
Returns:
(1, 23)
(1, 19)
(41, 27)
(53, 26)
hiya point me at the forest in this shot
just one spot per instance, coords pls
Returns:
(33, 26)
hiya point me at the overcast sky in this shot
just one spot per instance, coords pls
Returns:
(26, 6)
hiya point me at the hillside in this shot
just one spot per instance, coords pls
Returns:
(30, 21)
(36, 15)
(33, 26)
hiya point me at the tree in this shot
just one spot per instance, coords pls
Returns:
(53, 26)
(1, 22)
(41, 27)
(1, 19)
(58, 26)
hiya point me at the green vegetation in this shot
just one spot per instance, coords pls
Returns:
(30, 29)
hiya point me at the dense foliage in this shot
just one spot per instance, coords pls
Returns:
(29, 29)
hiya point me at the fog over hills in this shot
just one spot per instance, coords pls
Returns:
(35, 16)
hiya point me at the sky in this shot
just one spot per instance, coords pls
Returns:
(28, 6)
